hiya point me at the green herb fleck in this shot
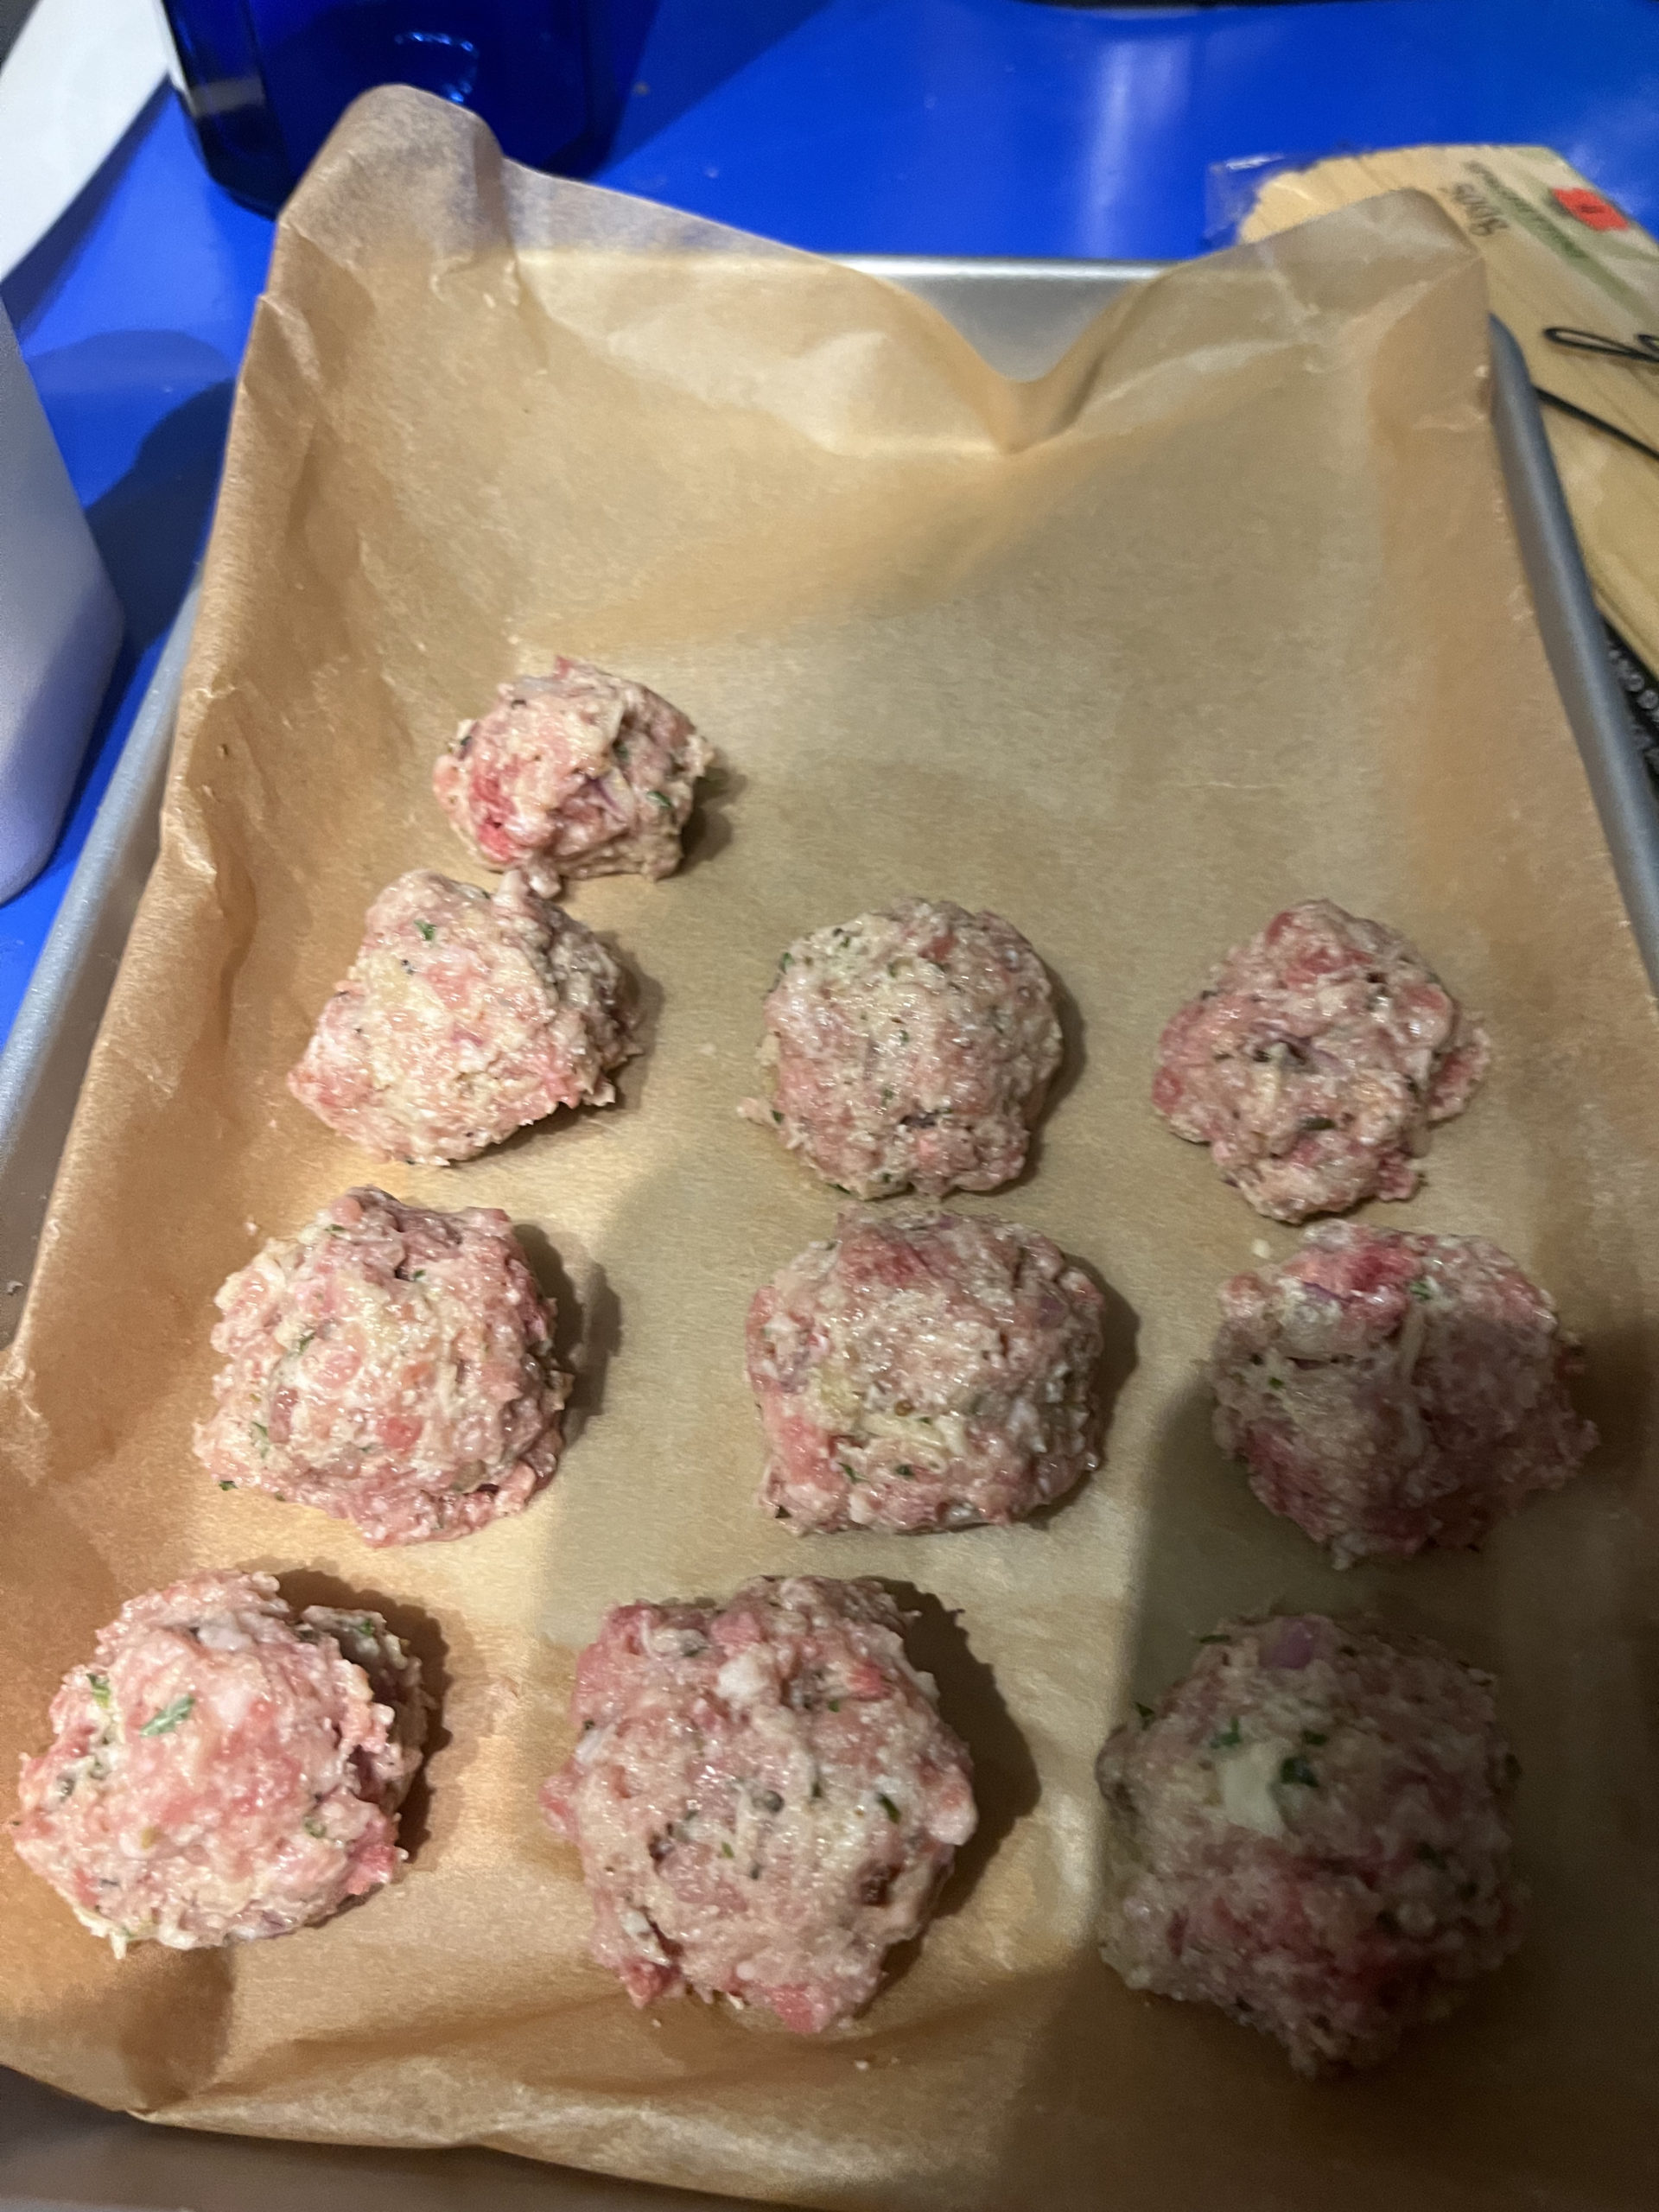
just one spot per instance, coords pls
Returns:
(904, 1036)
(834, 1704)
(1296, 1769)
(777, 1117)
(1421, 1287)
(904, 1473)
(1214, 1639)
(660, 798)
(887, 1806)
(788, 961)
(725, 1851)
(315, 1828)
(1313, 1736)
(426, 930)
(164, 1722)
(1430, 1857)
(367, 1625)
(1276, 1381)
(227, 1486)
(1227, 1738)
(261, 1436)
(1146, 1712)
(99, 1687)
(1319, 1121)
(309, 1338)
(817, 1787)
(847, 1470)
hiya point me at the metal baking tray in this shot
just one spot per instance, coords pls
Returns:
(1021, 315)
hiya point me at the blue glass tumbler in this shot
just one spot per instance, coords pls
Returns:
(265, 80)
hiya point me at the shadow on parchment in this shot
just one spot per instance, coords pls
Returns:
(588, 1331)
(1540, 2088)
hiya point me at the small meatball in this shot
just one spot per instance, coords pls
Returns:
(575, 774)
(221, 1770)
(910, 1050)
(391, 1365)
(1313, 1832)
(1313, 1062)
(465, 1016)
(764, 1796)
(924, 1371)
(1389, 1390)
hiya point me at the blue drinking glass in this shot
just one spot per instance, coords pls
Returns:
(265, 80)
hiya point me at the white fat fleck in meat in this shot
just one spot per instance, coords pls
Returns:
(575, 774)
(924, 1370)
(1389, 1391)
(1314, 1061)
(910, 1049)
(1313, 1832)
(764, 1796)
(221, 1770)
(465, 1016)
(392, 1365)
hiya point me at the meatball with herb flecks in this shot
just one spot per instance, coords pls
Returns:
(1389, 1391)
(392, 1365)
(575, 774)
(1313, 1062)
(466, 1016)
(910, 1050)
(924, 1370)
(763, 1794)
(222, 1770)
(1312, 1831)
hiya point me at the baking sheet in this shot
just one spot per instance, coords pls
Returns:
(1223, 613)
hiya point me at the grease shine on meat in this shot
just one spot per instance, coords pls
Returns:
(924, 1370)
(578, 772)
(466, 1016)
(221, 1770)
(1314, 1061)
(1313, 1832)
(764, 1796)
(1391, 1390)
(910, 1050)
(391, 1364)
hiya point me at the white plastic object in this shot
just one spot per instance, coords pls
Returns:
(60, 625)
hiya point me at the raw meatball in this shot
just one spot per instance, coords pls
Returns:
(1313, 1062)
(1313, 1832)
(1389, 1390)
(465, 1016)
(223, 1771)
(575, 774)
(924, 1371)
(764, 1796)
(392, 1365)
(910, 1049)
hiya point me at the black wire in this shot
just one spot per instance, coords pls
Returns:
(1644, 351)
(1583, 414)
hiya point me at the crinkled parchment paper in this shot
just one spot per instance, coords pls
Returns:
(1223, 613)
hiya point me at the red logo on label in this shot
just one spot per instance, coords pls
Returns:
(1590, 208)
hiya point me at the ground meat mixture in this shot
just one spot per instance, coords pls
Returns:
(926, 1371)
(1313, 1062)
(1389, 1390)
(910, 1050)
(578, 772)
(763, 1795)
(222, 1770)
(465, 1016)
(392, 1365)
(1313, 1832)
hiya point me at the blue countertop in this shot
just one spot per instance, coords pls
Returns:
(852, 126)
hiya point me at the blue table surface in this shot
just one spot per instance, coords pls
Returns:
(852, 126)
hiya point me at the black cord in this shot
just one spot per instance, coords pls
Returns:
(1583, 414)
